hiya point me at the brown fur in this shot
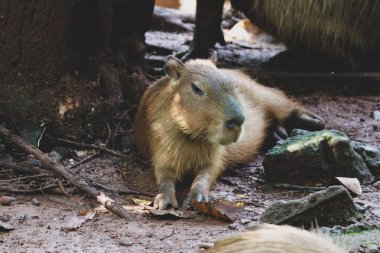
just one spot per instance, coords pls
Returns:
(181, 132)
(276, 239)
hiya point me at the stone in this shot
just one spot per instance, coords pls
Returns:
(376, 212)
(35, 202)
(331, 206)
(55, 156)
(125, 241)
(314, 155)
(376, 115)
(370, 155)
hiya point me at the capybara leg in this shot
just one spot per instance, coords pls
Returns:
(166, 197)
(208, 29)
(200, 188)
(303, 119)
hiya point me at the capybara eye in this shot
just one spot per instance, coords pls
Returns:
(196, 89)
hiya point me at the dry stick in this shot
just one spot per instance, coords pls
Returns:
(60, 170)
(19, 168)
(165, 237)
(63, 188)
(8, 188)
(27, 177)
(85, 160)
(91, 146)
(128, 192)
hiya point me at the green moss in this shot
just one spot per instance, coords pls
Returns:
(310, 139)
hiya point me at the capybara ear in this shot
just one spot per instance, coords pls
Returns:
(214, 57)
(173, 67)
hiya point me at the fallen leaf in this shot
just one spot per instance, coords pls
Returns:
(5, 226)
(222, 209)
(76, 221)
(142, 202)
(6, 201)
(352, 184)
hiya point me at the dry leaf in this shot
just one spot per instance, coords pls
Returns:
(222, 209)
(352, 184)
(142, 202)
(76, 221)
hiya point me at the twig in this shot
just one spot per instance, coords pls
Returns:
(298, 187)
(28, 177)
(109, 133)
(166, 237)
(19, 168)
(142, 193)
(60, 170)
(63, 188)
(127, 192)
(8, 188)
(91, 146)
(85, 160)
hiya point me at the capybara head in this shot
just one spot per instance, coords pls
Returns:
(205, 105)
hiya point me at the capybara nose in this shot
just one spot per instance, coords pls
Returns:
(235, 122)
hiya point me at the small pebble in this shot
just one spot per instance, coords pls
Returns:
(376, 115)
(377, 184)
(245, 221)
(125, 241)
(376, 212)
(35, 202)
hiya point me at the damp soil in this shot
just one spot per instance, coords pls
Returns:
(39, 228)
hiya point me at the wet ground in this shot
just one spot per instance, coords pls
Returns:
(41, 228)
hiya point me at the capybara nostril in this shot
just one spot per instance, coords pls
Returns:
(235, 122)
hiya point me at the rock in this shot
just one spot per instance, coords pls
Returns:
(376, 212)
(377, 184)
(370, 155)
(125, 241)
(245, 221)
(55, 156)
(376, 115)
(242, 189)
(62, 151)
(314, 155)
(35, 202)
(331, 206)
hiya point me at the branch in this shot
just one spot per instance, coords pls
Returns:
(91, 146)
(60, 170)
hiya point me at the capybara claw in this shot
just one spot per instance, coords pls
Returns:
(163, 201)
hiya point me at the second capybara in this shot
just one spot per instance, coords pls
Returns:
(346, 32)
(199, 120)
(276, 239)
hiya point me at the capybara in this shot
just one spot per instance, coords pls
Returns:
(199, 120)
(276, 239)
(346, 32)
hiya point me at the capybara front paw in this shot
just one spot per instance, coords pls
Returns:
(199, 197)
(164, 201)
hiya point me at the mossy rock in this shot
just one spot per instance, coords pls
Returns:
(328, 207)
(314, 155)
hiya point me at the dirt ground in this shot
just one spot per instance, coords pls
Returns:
(41, 228)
